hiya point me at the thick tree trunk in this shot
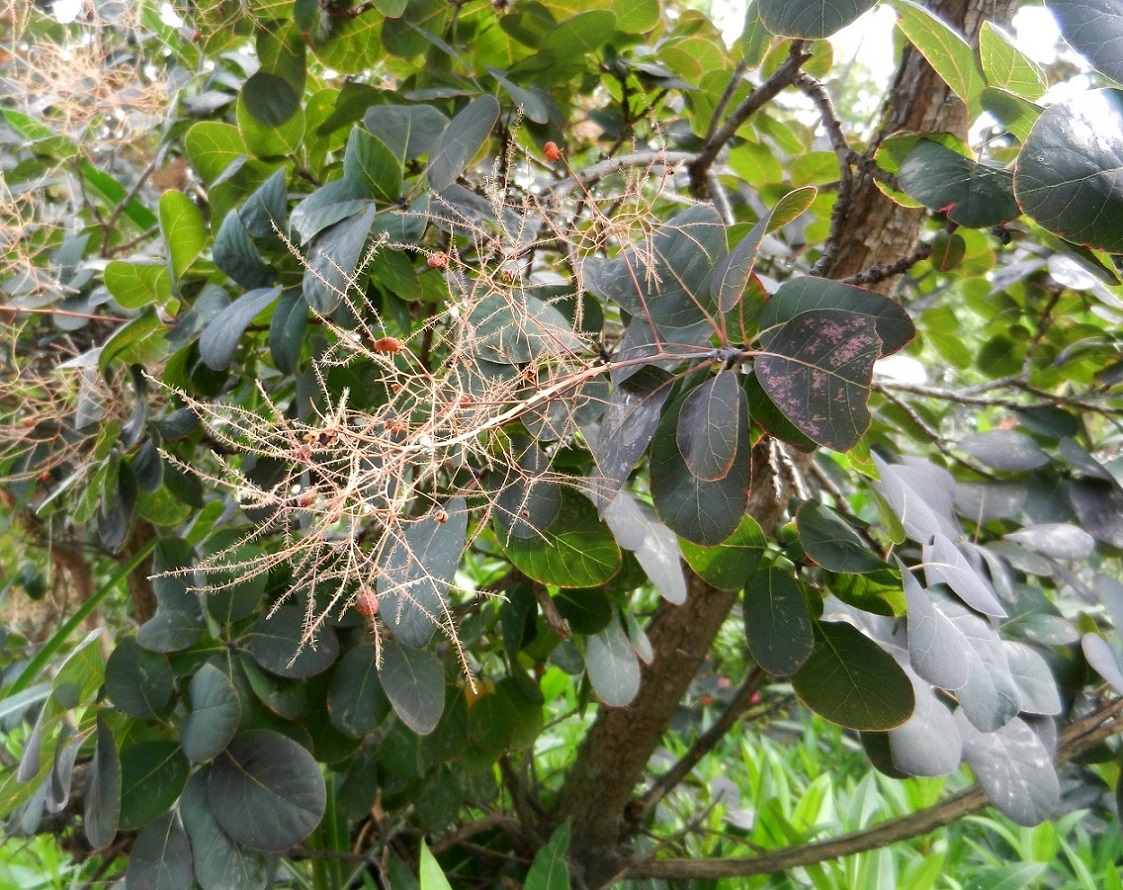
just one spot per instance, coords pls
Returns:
(615, 753)
(879, 231)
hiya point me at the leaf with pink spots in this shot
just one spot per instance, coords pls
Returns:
(816, 368)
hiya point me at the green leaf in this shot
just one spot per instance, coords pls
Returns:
(409, 131)
(1016, 114)
(1007, 67)
(514, 328)
(817, 370)
(938, 651)
(356, 701)
(549, 871)
(183, 228)
(160, 857)
(220, 338)
(235, 254)
(219, 862)
(1094, 28)
(755, 40)
(946, 51)
(810, 19)
(970, 194)
(286, 330)
(333, 260)
(943, 563)
(636, 16)
(580, 34)
(269, 140)
(212, 147)
(274, 92)
(153, 774)
(432, 877)
(852, 681)
(731, 276)
(893, 325)
(266, 791)
(277, 643)
(265, 212)
(328, 205)
(414, 682)
(778, 626)
(415, 573)
(709, 426)
(367, 160)
(1066, 175)
(464, 136)
(574, 550)
(215, 712)
(832, 543)
(665, 281)
(730, 564)
(630, 418)
(103, 793)
(586, 611)
(613, 665)
(138, 682)
(705, 513)
(136, 285)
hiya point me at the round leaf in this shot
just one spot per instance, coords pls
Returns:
(152, 776)
(277, 644)
(160, 857)
(810, 19)
(214, 717)
(356, 701)
(1093, 28)
(1066, 175)
(709, 422)
(415, 684)
(612, 665)
(266, 791)
(219, 862)
(852, 681)
(817, 370)
(832, 542)
(138, 682)
(778, 625)
(574, 550)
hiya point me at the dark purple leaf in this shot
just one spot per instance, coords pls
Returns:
(709, 425)
(796, 295)
(703, 512)
(817, 368)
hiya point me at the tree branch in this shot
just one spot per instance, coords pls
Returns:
(1077, 738)
(638, 810)
(817, 93)
(784, 76)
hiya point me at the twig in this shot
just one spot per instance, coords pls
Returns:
(110, 221)
(783, 77)
(726, 97)
(64, 313)
(817, 93)
(338, 11)
(488, 822)
(598, 171)
(705, 743)
(900, 267)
